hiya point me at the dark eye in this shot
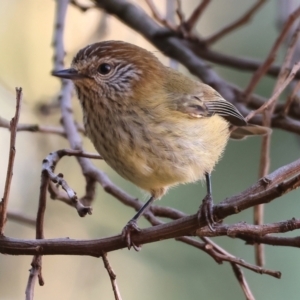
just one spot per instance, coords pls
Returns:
(104, 69)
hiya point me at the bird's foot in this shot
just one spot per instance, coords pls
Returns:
(131, 228)
(206, 212)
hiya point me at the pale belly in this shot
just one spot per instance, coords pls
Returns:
(166, 155)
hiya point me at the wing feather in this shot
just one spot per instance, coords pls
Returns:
(226, 110)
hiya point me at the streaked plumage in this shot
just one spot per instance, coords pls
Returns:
(153, 125)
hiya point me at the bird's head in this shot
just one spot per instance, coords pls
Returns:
(115, 69)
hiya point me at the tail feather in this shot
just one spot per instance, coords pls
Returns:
(239, 133)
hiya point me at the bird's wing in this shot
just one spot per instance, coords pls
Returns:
(198, 100)
(226, 110)
(192, 106)
(196, 106)
(204, 101)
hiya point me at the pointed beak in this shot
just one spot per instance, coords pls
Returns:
(69, 74)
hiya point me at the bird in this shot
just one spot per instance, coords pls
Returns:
(155, 126)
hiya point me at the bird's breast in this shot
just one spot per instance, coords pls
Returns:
(156, 153)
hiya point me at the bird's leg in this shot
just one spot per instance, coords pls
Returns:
(132, 226)
(206, 208)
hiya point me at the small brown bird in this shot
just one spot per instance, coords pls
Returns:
(153, 125)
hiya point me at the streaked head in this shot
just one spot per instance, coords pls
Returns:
(112, 67)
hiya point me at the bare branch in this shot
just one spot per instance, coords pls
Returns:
(20, 218)
(242, 281)
(61, 8)
(288, 59)
(236, 269)
(241, 21)
(196, 14)
(267, 189)
(158, 17)
(112, 277)
(272, 54)
(266, 140)
(49, 164)
(34, 127)
(83, 8)
(34, 273)
(174, 229)
(220, 256)
(291, 76)
(12, 152)
(290, 99)
(238, 63)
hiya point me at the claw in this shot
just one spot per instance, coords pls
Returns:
(206, 212)
(131, 227)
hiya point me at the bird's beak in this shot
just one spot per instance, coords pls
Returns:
(69, 74)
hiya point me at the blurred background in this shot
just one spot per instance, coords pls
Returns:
(164, 270)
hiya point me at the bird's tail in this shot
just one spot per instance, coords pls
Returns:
(239, 133)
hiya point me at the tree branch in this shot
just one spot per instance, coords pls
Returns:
(12, 152)
(112, 277)
(233, 26)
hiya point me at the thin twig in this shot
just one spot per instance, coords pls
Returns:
(200, 245)
(266, 140)
(256, 269)
(77, 153)
(12, 152)
(291, 76)
(221, 256)
(20, 218)
(189, 24)
(170, 8)
(90, 191)
(48, 167)
(264, 167)
(258, 219)
(82, 7)
(271, 56)
(242, 281)
(235, 62)
(236, 269)
(290, 99)
(34, 127)
(61, 9)
(112, 277)
(61, 195)
(37, 260)
(241, 21)
(49, 164)
(34, 273)
(288, 59)
(179, 12)
(158, 17)
(285, 68)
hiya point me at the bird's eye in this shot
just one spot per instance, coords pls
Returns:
(104, 69)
